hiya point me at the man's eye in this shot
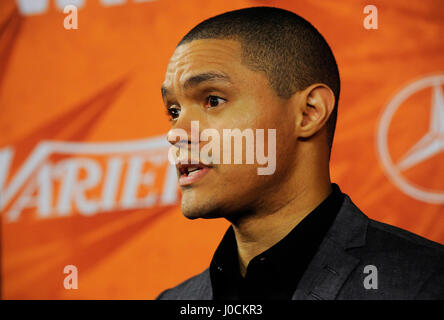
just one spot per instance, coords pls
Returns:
(214, 101)
(173, 113)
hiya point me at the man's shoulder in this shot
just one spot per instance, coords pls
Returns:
(398, 248)
(387, 237)
(409, 266)
(354, 228)
(197, 287)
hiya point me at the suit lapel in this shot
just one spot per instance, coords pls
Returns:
(326, 273)
(332, 264)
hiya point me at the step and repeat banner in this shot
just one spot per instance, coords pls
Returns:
(86, 189)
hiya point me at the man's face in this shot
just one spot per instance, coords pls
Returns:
(236, 98)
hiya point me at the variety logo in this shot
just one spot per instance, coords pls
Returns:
(430, 145)
(60, 178)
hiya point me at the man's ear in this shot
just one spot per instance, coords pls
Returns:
(318, 101)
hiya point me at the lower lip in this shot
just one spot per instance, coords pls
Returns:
(187, 180)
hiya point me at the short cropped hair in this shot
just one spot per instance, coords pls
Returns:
(286, 47)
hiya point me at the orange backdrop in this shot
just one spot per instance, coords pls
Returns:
(84, 177)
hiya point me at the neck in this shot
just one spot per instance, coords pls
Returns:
(258, 232)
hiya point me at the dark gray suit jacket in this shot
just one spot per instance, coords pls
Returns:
(407, 265)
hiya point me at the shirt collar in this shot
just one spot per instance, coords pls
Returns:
(289, 257)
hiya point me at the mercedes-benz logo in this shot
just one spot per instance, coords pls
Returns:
(428, 146)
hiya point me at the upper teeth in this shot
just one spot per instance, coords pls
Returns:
(192, 169)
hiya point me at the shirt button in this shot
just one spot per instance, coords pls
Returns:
(262, 259)
(219, 268)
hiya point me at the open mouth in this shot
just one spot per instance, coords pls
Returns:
(189, 170)
(190, 173)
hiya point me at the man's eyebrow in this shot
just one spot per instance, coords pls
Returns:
(199, 78)
(203, 77)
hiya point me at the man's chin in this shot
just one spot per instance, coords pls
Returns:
(196, 214)
(200, 210)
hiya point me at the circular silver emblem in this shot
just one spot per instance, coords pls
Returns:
(431, 144)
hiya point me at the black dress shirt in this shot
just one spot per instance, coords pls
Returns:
(275, 273)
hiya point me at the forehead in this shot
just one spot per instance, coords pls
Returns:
(200, 56)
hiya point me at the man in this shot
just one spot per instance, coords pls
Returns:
(293, 234)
